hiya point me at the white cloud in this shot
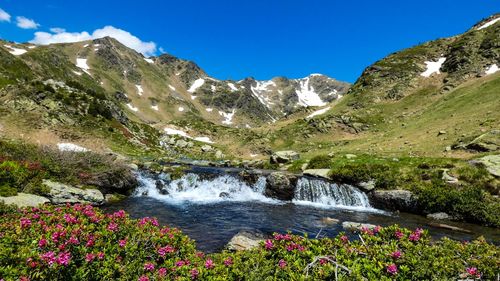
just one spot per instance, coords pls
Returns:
(26, 23)
(124, 37)
(57, 30)
(4, 16)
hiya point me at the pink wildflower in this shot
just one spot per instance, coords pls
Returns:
(122, 243)
(282, 263)
(228, 262)
(113, 226)
(269, 244)
(42, 243)
(63, 258)
(165, 250)
(194, 273)
(25, 222)
(143, 278)
(180, 263)
(100, 255)
(344, 238)
(149, 266)
(396, 254)
(162, 272)
(89, 257)
(209, 264)
(398, 234)
(392, 269)
(473, 272)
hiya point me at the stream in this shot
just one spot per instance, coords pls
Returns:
(211, 205)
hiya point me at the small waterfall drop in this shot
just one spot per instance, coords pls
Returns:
(324, 193)
(193, 188)
(203, 189)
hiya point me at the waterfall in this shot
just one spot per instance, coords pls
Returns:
(213, 188)
(320, 192)
(193, 188)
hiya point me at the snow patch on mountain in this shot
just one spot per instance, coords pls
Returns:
(306, 94)
(213, 88)
(15, 51)
(492, 69)
(181, 109)
(261, 90)
(433, 67)
(209, 109)
(82, 64)
(171, 87)
(490, 23)
(228, 117)
(203, 139)
(177, 132)
(140, 91)
(149, 60)
(318, 112)
(197, 83)
(155, 107)
(232, 87)
(66, 146)
(132, 107)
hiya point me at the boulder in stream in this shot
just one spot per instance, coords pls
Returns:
(245, 240)
(320, 173)
(394, 200)
(357, 226)
(283, 157)
(281, 186)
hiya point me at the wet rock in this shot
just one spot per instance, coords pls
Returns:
(449, 227)
(320, 173)
(329, 221)
(113, 198)
(133, 166)
(283, 157)
(24, 200)
(356, 226)
(62, 193)
(396, 200)
(224, 195)
(245, 240)
(117, 180)
(439, 216)
(249, 176)
(281, 186)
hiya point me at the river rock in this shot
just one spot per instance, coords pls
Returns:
(329, 221)
(62, 193)
(285, 156)
(118, 180)
(24, 200)
(219, 154)
(357, 226)
(396, 200)
(491, 163)
(439, 216)
(245, 240)
(367, 185)
(249, 176)
(449, 227)
(281, 186)
(321, 173)
(181, 144)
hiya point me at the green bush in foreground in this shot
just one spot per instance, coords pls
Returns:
(81, 243)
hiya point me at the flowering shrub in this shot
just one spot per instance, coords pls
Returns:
(79, 242)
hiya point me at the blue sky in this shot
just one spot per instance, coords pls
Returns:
(262, 39)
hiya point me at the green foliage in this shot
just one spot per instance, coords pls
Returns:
(320, 162)
(80, 243)
(23, 166)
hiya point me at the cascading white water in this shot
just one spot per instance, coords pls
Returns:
(193, 188)
(324, 193)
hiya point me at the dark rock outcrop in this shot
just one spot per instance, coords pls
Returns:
(281, 186)
(395, 200)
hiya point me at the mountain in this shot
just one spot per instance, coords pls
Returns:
(400, 103)
(102, 90)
